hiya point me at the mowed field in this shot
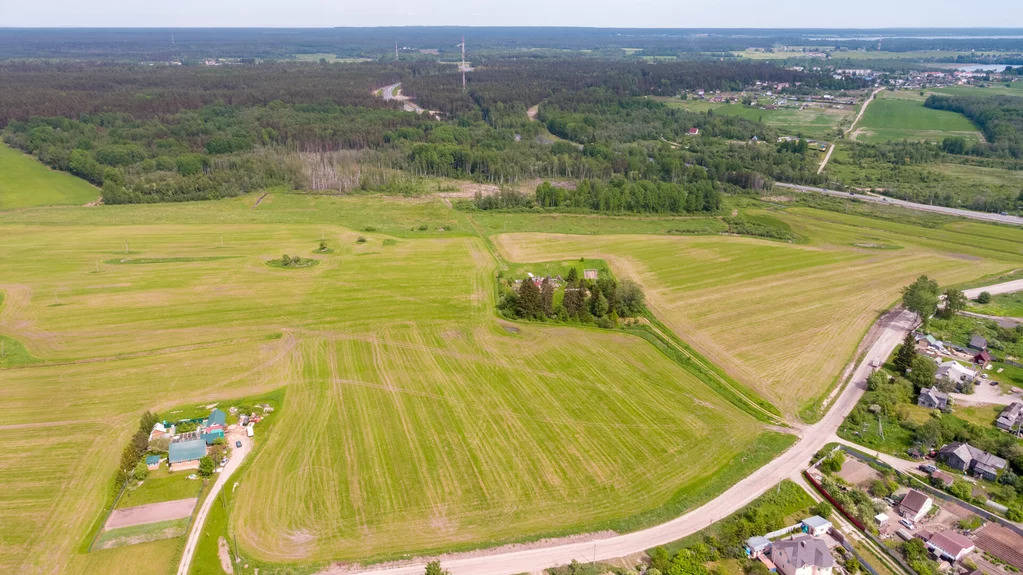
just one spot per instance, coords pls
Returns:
(26, 182)
(902, 116)
(413, 421)
(782, 318)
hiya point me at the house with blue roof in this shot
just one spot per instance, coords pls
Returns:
(186, 454)
(153, 462)
(216, 420)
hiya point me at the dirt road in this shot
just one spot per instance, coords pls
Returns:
(856, 120)
(983, 216)
(787, 465)
(1007, 287)
(237, 456)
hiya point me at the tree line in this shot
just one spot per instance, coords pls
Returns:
(602, 301)
(999, 117)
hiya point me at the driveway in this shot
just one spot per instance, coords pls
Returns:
(237, 455)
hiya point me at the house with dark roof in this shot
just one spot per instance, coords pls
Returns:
(186, 454)
(915, 505)
(950, 545)
(978, 343)
(969, 459)
(1011, 418)
(941, 478)
(802, 555)
(982, 358)
(932, 398)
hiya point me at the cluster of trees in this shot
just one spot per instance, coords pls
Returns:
(131, 457)
(603, 301)
(999, 117)
(925, 298)
(643, 196)
(855, 501)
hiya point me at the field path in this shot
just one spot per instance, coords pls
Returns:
(151, 513)
(237, 455)
(852, 126)
(788, 465)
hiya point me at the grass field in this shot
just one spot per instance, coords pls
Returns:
(161, 485)
(1009, 305)
(814, 122)
(415, 422)
(781, 318)
(899, 117)
(26, 182)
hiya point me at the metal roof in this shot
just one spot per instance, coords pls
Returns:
(186, 451)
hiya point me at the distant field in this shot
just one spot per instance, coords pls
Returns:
(898, 118)
(332, 58)
(767, 311)
(813, 121)
(25, 182)
(415, 421)
(1013, 89)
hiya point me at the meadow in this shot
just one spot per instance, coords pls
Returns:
(27, 182)
(902, 116)
(415, 420)
(782, 318)
(814, 122)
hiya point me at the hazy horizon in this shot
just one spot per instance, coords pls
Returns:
(790, 14)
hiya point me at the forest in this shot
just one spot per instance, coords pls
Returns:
(999, 117)
(175, 134)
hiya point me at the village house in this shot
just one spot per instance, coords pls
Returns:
(802, 555)
(186, 454)
(915, 505)
(757, 546)
(941, 478)
(1011, 418)
(978, 343)
(966, 458)
(983, 358)
(932, 398)
(954, 372)
(949, 545)
(159, 430)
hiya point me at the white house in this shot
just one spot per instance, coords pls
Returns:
(915, 505)
(954, 372)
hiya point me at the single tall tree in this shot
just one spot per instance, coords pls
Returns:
(905, 355)
(529, 299)
(434, 568)
(547, 297)
(921, 297)
(955, 302)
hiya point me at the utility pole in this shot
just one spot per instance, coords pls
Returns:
(396, 50)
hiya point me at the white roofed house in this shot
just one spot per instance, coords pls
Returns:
(954, 372)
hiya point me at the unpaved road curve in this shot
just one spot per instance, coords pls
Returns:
(789, 464)
(237, 455)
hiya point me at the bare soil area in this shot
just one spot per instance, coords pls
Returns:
(152, 513)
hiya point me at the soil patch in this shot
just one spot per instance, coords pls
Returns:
(224, 553)
(151, 513)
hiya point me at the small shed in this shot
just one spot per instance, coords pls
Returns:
(590, 274)
(982, 358)
(757, 546)
(881, 519)
(978, 343)
(153, 462)
(816, 525)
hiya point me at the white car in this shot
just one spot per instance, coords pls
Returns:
(907, 523)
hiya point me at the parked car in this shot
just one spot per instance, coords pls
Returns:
(928, 468)
(238, 444)
(907, 523)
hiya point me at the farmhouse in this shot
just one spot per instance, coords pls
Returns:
(932, 398)
(954, 372)
(1011, 417)
(967, 458)
(216, 420)
(815, 525)
(693, 131)
(802, 555)
(950, 545)
(159, 430)
(915, 505)
(186, 454)
(978, 343)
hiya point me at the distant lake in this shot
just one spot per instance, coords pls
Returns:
(982, 68)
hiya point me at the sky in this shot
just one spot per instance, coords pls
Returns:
(597, 13)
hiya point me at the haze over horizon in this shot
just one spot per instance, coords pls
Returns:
(869, 14)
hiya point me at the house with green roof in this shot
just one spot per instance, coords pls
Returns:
(153, 462)
(216, 420)
(186, 454)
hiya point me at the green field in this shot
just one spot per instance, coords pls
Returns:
(813, 121)
(1008, 305)
(161, 485)
(898, 117)
(415, 421)
(26, 182)
(775, 314)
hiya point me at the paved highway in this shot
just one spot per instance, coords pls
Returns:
(983, 216)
